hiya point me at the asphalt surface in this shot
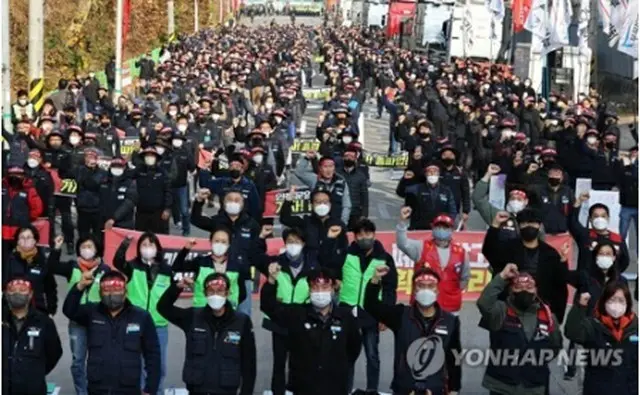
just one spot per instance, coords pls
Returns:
(384, 210)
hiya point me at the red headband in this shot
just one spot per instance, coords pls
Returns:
(115, 284)
(216, 284)
(518, 193)
(426, 278)
(322, 281)
(524, 280)
(19, 284)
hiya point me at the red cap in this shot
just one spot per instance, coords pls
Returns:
(113, 284)
(15, 170)
(34, 153)
(426, 278)
(216, 284)
(19, 284)
(524, 280)
(442, 219)
(520, 136)
(118, 162)
(518, 193)
(548, 152)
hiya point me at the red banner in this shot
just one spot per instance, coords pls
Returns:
(520, 10)
(301, 203)
(126, 21)
(471, 241)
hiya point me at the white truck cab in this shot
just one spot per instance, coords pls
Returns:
(473, 32)
(375, 13)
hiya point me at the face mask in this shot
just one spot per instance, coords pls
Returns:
(294, 249)
(160, 150)
(349, 163)
(320, 300)
(17, 301)
(87, 253)
(148, 253)
(232, 208)
(177, 143)
(173, 113)
(257, 159)
(529, 233)
(604, 262)
(448, 161)
(600, 223)
(554, 182)
(442, 234)
(610, 145)
(615, 309)
(74, 91)
(27, 244)
(426, 297)
(74, 140)
(278, 119)
(347, 140)
(117, 171)
(235, 173)
(216, 117)
(216, 301)
(150, 160)
(366, 244)
(515, 206)
(182, 127)
(32, 163)
(268, 106)
(523, 299)
(113, 302)
(591, 140)
(322, 209)
(433, 180)
(219, 249)
(23, 102)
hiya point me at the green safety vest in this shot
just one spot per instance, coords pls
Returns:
(139, 295)
(287, 293)
(354, 282)
(199, 296)
(91, 294)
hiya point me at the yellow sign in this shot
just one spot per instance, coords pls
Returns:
(388, 161)
(305, 145)
(69, 186)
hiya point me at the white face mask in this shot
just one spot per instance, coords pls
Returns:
(74, 140)
(219, 249)
(182, 127)
(294, 249)
(600, 223)
(347, 140)
(278, 119)
(173, 113)
(322, 209)
(604, 262)
(615, 309)
(320, 300)
(75, 91)
(216, 117)
(32, 163)
(591, 140)
(257, 159)
(232, 208)
(425, 297)
(216, 301)
(87, 253)
(150, 160)
(160, 150)
(23, 102)
(117, 171)
(515, 206)
(433, 180)
(148, 253)
(268, 106)
(27, 244)
(177, 143)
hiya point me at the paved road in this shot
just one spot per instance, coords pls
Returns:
(384, 208)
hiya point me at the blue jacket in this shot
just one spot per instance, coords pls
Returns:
(219, 186)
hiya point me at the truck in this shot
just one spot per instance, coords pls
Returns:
(430, 25)
(473, 32)
(401, 13)
(357, 8)
(375, 13)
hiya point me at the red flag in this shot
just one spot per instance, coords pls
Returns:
(520, 11)
(126, 21)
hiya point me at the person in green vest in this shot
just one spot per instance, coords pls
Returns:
(148, 278)
(89, 253)
(216, 261)
(296, 262)
(362, 257)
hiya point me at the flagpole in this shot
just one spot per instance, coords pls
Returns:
(545, 61)
(118, 82)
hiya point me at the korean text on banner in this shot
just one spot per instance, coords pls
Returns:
(300, 204)
(471, 241)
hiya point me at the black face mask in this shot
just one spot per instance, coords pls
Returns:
(425, 136)
(136, 119)
(610, 144)
(529, 233)
(349, 163)
(448, 161)
(256, 142)
(113, 302)
(235, 173)
(15, 182)
(17, 301)
(366, 244)
(554, 182)
(548, 162)
(105, 124)
(523, 299)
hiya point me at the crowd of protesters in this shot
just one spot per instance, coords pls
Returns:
(236, 94)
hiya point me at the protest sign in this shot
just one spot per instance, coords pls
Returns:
(305, 144)
(497, 191)
(300, 205)
(374, 159)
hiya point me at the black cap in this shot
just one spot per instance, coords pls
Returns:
(529, 215)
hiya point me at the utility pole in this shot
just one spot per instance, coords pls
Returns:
(119, 17)
(196, 16)
(5, 64)
(171, 24)
(36, 53)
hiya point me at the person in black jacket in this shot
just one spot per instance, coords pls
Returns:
(220, 355)
(324, 339)
(547, 266)
(154, 195)
(185, 163)
(555, 199)
(89, 178)
(31, 346)
(42, 181)
(456, 179)
(121, 337)
(627, 183)
(358, 183)
(118, 196)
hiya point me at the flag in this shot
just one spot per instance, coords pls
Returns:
(126, 21)
(618, 15)
(628, 42)
(559, 21)
(520, 12)
(604, 11)
(536, 21)
(583, 24)
(496, 7)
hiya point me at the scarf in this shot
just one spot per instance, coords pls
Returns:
(85, 265)
(28, 255)
(615, 328)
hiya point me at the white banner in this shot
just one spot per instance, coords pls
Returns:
(497, 9)
(604, 13)
(583, 24)
(559, 20)
(536, 22)
(617, 18)
(628, 42)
